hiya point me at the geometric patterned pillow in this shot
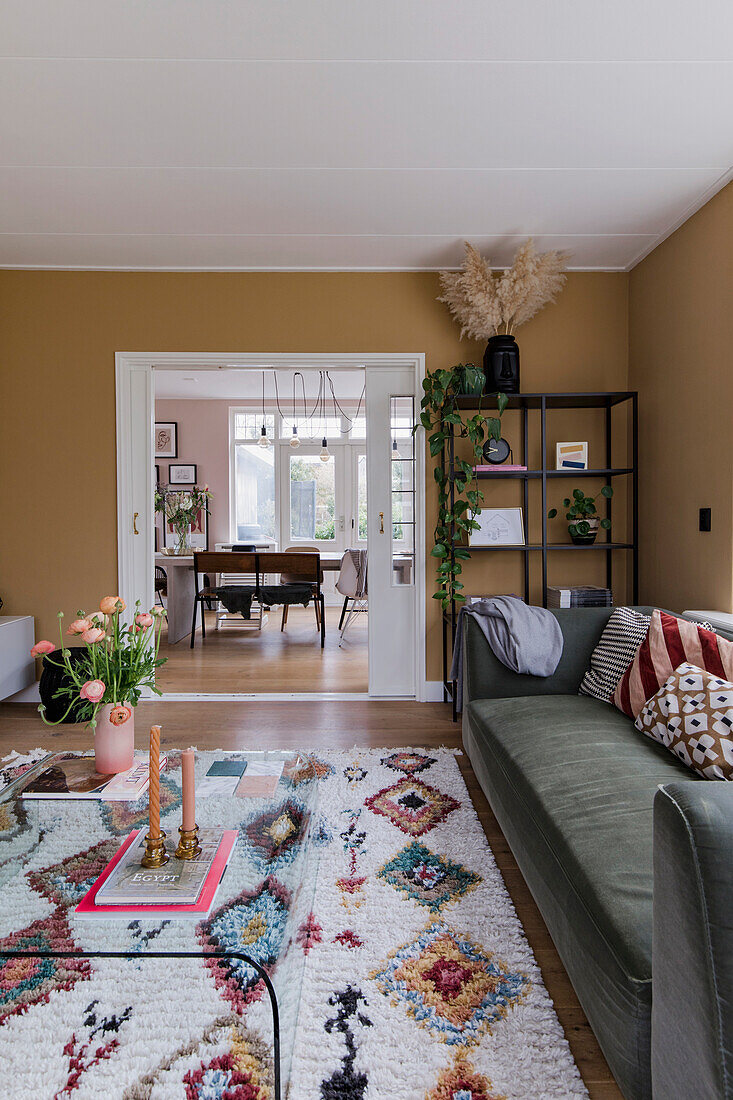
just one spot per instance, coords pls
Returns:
(670, 643)
(624, 632)
(692, 716)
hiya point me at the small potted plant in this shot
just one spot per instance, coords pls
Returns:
(582, 515)
(104, 683)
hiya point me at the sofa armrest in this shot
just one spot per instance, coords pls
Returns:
(485, 677)
(692, 954)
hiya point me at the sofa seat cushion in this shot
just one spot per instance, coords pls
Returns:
(588, 779)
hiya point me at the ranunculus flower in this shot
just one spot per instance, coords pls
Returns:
(144, 619)
(79, 626)
(94, 634)
(108, 605)
(119, 714)
(157, 612)
(42, 647)
(92, 690)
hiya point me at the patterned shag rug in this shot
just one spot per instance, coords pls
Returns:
(417, 980)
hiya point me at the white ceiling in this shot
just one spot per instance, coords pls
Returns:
(246, 385)
(343, 135)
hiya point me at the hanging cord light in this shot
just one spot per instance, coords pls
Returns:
(263, 441)
(336, 405)
(325, 454)
(295, 441)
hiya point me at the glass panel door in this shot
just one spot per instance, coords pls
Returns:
(312, 499)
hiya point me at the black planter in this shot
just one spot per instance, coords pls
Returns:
(501, 365)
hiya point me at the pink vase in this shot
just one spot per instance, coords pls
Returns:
(114, 738)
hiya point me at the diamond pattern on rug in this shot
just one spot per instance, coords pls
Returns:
(67, 882)
(408, 762)
(253, 923)
(273, 837)
(412, 805)
(427, 878)
(31, 981)
(450, 985)
(461, 1082)
(123, 817)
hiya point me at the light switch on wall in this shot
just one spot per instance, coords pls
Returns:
(705, 519)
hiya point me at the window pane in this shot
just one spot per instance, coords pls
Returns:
(255, 492)
(403, 489)
(361, 490)
(248, 425)
(312, 498)
(358, 428)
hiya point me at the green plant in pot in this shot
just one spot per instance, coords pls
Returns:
(582, 516)
(441, 416)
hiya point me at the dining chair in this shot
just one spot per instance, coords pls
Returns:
(352, 584)
(289, 578)
(257, 618)
(222, 562)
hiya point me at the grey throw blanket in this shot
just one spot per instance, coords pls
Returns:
(238, 597)
(524, 638)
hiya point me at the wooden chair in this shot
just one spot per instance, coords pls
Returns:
(217, 561)
(286, 578)
(298, 567)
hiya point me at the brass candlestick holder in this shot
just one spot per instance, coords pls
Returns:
(188, 845)
(155, 853)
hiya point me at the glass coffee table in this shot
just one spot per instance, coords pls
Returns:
(249, 951)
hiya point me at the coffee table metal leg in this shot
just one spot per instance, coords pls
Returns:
(178, 955)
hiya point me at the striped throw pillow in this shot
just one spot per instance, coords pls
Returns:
(669, 643)
(625, 630)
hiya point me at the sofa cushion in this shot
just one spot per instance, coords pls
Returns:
(572, 784)
(622, 636)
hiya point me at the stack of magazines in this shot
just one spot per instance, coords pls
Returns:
(588, 595)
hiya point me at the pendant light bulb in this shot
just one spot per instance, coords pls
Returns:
(263, 441)
(295, 442)
(325, 453)
(395, 453)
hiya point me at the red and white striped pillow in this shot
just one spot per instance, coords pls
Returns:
(669, 643)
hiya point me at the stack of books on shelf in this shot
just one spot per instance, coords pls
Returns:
(587, 595)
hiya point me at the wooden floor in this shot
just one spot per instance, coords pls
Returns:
(242, 658)
(321, 725)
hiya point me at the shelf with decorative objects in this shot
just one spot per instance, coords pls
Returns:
(544, 403)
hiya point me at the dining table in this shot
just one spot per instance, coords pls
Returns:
(181, 589)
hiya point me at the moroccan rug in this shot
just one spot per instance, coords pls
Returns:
(418, 982)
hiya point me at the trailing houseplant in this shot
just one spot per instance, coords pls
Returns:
(104, 682)
(582, 515)
(441, 417)
(180, 507)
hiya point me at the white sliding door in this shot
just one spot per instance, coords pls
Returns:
(391, 514)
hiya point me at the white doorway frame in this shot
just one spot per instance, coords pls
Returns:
(135, 419)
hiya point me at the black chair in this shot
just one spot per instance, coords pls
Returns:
(161, 587)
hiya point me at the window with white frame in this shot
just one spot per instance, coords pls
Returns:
(254, 512)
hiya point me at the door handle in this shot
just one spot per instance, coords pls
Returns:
(381, 523)
(134, 524)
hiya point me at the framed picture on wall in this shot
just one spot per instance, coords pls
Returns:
(199, 531)
(498, 527)
(166, 439)
(157, 474)
(182, 474)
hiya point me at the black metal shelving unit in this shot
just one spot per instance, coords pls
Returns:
(544, 402)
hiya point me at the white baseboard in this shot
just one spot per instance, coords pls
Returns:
(432, 691)
(25, 695)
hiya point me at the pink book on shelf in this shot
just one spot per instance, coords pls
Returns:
(495, 469)
(88, 908)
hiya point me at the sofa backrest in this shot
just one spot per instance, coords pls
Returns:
(485, 677)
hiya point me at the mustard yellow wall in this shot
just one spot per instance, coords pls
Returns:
(58, 335)
(681, 361)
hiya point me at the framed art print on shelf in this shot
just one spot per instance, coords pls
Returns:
(498, 527)
(199, 537)
(166, 439)
(571, 456)
(182, 474)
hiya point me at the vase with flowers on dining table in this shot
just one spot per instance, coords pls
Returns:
(104, 685)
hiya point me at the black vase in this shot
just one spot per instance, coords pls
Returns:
(501, 365)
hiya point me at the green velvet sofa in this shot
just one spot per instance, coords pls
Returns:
(629, 856)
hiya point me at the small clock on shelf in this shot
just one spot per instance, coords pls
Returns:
(496, 451)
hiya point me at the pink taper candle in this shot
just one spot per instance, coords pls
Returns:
(189, 789)
(154, 788)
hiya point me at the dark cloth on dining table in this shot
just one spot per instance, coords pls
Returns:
(237, 598)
